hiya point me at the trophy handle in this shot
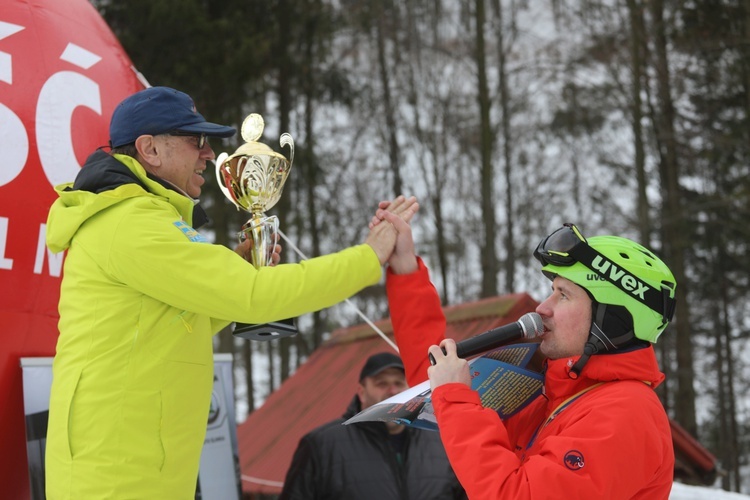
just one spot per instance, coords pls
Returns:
(286, 140)
(264, 232)
(221, 180)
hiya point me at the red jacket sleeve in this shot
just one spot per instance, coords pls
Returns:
(466, 429)
(417, 318)
(611, 443)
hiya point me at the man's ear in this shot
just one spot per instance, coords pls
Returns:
(147, 150)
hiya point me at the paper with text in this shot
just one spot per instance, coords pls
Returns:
(499, 376)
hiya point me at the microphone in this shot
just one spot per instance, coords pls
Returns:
(528, 326)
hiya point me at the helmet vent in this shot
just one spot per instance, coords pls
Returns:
(649, 258)
(648, 254)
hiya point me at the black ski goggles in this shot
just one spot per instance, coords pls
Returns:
(555, 249)
(566, 246)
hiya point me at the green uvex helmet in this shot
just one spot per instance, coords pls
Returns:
(621, 280)
(632, 289)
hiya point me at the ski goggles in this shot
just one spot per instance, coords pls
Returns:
(567, 246)
(555, 249)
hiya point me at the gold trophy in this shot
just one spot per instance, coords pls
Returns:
(252, 179)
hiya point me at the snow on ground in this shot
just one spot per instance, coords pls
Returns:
(684, 492)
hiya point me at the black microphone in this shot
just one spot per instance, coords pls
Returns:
(528, 326)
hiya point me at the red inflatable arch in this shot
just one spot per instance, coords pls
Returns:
(62, 71)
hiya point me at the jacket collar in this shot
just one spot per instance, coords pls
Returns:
(105, 172)
(639, 364)
(354, 407)
(378, 428)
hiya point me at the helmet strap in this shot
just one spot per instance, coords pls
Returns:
(600, 342)
(588, 350)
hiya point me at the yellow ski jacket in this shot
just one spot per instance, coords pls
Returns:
(141, 296)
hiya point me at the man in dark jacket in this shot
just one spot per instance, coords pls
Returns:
(371, 460)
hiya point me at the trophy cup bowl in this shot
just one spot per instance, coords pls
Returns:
(253, 178)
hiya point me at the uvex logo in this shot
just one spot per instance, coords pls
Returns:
(615, 274)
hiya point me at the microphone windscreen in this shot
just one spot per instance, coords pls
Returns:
(532, 325)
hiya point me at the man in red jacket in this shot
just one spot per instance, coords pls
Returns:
(598, 430)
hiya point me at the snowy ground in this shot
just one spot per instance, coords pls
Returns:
(683, 492)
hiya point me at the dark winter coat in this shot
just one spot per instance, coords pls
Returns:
(357, 462)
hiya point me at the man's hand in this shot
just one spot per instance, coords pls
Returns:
(448, 367)
(244, 250)
(382, 237)
(403, 260)
(401, 206)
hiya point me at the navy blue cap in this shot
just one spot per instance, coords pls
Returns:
(157, 110)
(379, 362)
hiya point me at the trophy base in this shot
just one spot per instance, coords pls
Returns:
(266, 331)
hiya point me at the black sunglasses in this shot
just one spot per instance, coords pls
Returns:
(202, 138)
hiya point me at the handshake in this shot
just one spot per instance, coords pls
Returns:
(390, 235)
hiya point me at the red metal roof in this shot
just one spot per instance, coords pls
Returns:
(324, 385)
(694, 464)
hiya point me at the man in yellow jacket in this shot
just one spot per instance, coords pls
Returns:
(142, 294)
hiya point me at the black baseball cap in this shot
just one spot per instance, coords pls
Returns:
(158, 110)
(379, 362)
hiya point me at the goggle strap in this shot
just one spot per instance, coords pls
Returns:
(657, 300)
(670, 304)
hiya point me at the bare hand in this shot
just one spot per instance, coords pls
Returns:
(403, 260)
(382, 237)
(448, 367)
(400, 206)
(244, 250)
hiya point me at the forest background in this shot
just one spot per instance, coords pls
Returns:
(505, 118)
